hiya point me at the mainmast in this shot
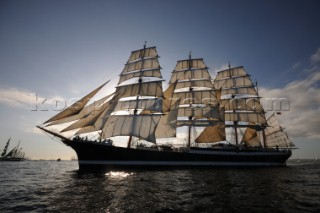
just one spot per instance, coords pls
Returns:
(192, 96)
(235, 123)
(198, 104)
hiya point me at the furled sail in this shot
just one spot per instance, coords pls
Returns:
(76, 107)
(275, 134)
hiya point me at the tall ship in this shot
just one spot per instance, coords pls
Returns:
(15, 154)
(196, 122)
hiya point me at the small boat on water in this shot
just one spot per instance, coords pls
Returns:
(14, 154)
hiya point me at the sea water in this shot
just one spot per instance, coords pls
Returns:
(51, 186)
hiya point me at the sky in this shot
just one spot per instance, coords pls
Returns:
(63, 49)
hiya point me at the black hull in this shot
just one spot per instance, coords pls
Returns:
(11, 159)
(93, 155)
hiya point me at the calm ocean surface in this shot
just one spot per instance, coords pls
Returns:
(50, 186)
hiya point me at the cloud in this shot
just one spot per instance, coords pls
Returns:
(34, 130)
(315, 58)
(302, 120)
(15, 97)
(22, 98)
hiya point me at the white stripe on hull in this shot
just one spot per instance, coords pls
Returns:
(179, 163)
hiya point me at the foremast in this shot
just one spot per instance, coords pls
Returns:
(198, 105)
(137, 101)
(139, 108)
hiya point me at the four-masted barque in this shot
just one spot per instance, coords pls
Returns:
(196, 122)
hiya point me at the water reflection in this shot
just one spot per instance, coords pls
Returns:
(118, 174)
(214, 190)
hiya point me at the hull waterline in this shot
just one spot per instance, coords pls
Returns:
(93, 155)
(11, 159)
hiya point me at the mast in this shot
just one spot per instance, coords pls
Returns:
(198, 104)
(241, 102)
(5, 148)
(137, 110)
(192, 96)
(235, 123)
(264, 139)
(137, 98)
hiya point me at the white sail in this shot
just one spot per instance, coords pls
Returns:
(149, 52)
(87, 110)
(246, 117)
(212, 134)
(250, 138)
(89, 120)
(153, 88)
(275, 134)
(167, 125)
(189, 64)
(76, 107)
(97, 123)
(154, 104)
(197, 123)
(141, 126)
(143, 73)
(195, 83)
(199, 112)
(190, 74)
(247, 104)
(196, 97)
(233, 82)
(250, 90)
(231, 72)
(150, 63)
